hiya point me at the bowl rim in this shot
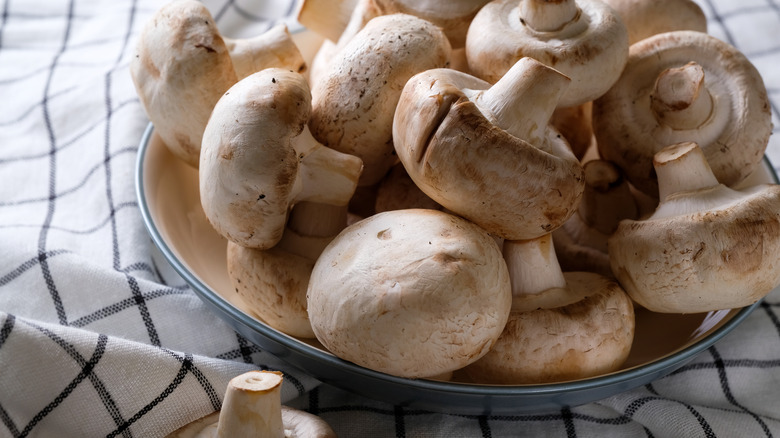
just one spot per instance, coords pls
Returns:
(634, 376)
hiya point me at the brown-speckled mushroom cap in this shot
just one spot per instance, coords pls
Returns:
(589, 337)
(705, 248)
(412, 293)
(586, 41)
(723, 107)
(355, 96)
(180, 70)
(478, 170)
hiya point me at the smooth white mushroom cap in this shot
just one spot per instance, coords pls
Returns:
(684, 86)
(256, 162)
(586, 41)
(180, 70)
(412, 293)
(590, 337)
(707, 247)
(354, 98)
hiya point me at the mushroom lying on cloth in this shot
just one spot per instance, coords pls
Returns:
(488, 153)
(583, 39)
(253, 408)
(253, 168)
(707, 247)
(684, 86)
(563, 326)
(355, 97)
(412, 293)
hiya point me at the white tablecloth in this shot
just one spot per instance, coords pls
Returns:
(99, 337)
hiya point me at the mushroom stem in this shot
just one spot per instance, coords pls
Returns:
(273, 48)
(252, 406)
(327, 176)
(533, 266)
(523, 100)
(607, 199)
(547, 15)
(680, 99)
(681, 168)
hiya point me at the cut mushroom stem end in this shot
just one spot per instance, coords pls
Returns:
(680, 97)
(682, 168)
(547, 16)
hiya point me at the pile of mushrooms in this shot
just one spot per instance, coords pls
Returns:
(427, 203)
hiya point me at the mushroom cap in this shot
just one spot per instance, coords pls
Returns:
(272, 284)
(721, 258)
(355, 96)
(453, 16)
(644, 19)
(248, 166)
(412, 293)
(591, 49)
(473, 168)
(588, 337)
(181, 69)
(735, 134)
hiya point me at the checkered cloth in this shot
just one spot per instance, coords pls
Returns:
(99, 337)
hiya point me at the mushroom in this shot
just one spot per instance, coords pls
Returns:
(412, 293)
(272, 283)
(563, 326)
(684, 86)
(644, 19)
(581, 243)
(252, 407)
(181, 68)
(488, 153)
(583, 39)
(706, 247)
(273, 48)
(328, 18)
(258, 160)
(354, 101)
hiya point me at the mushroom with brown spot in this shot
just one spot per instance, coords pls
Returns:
(684, 86)
(252, 167)
(488, 153)
(563, 326)
(583, 39)
(252, 407)
(180, 70)
(706, 247)
(355, 98)
(412, 293)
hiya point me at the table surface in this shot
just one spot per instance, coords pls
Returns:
(100, 337)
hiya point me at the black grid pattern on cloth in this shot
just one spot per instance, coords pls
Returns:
(90, 314)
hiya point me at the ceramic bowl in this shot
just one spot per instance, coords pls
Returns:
(168, 197)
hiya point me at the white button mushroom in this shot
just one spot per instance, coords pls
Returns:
(581, 243)
(563, 326)
(252, 408)
(180, 70)
(257, 160)
(272, 283)
(412, 293)
(273, 48)
(583, 39)
(355, 98)
(706, 247)
(488, 153)
(684, 86)
(644, 18)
